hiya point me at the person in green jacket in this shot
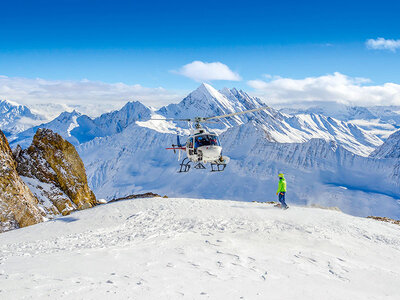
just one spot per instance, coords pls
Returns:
(282, 191)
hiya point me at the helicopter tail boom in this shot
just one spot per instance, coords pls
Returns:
(176, 148)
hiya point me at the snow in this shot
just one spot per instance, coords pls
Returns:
(74, 124)
(201, 249)
(15, 118)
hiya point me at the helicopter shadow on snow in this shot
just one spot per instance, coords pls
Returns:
(66, 219)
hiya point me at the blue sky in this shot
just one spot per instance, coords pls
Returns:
(148, 42)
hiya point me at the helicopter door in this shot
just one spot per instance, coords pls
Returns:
(190, 146)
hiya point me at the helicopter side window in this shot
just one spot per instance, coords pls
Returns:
(190, 146)
(190, 143)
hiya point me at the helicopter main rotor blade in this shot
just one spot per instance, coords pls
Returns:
(238, 113)
(171, 119)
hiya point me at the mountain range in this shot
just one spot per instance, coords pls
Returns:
(378, 120)
(327, 160)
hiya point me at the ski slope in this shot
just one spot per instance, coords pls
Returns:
(201, 249)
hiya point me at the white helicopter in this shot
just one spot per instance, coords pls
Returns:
(202, 145)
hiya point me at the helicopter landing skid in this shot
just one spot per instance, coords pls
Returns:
(185, 166)
(199, 166)
(217, 167)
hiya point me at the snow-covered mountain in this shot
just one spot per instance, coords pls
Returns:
(281, 128)
(15, 118)
(195, 249)
(325, 159)
(206, 101)
(379, 120)
(78, 128)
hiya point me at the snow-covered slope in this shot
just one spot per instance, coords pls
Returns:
(15, 118)
(195, 249)
(390, 149)
(135, 161)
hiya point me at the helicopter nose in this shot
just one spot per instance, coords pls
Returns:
(211, 153)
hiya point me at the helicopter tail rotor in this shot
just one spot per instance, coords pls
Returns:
(178, 145)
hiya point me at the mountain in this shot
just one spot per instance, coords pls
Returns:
(63, 125)
(207, 101)
(378, 120)
(281, 128)
(196, 248)
(78, 128)
(332, 109)
(15, 118)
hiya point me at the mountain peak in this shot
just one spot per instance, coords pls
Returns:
(5, 102)
(207, 90)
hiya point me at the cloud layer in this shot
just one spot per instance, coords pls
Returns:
(204, 71)
(334, 87)
(383, 44)
(92, 97)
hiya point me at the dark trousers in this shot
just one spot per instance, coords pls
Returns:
(282, 199)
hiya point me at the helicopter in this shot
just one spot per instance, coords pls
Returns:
(202, 145)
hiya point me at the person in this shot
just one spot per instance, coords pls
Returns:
(282, 191)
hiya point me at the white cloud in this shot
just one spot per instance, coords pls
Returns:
(334, 87)
(93, 97)
(203, 71)
(383, 44)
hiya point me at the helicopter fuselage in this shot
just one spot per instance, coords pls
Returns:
(205, 154)
(203, 146)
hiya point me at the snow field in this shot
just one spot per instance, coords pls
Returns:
(201, 249)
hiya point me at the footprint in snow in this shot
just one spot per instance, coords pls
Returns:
(264, 276)
(208, 242)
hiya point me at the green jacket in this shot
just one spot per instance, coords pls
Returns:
(282, 185)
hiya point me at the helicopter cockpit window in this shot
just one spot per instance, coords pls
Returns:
(206, 140)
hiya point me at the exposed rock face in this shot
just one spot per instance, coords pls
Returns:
(18, 206)
(54, 171)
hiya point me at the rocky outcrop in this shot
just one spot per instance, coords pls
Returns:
(18, 206)
(55, 173)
